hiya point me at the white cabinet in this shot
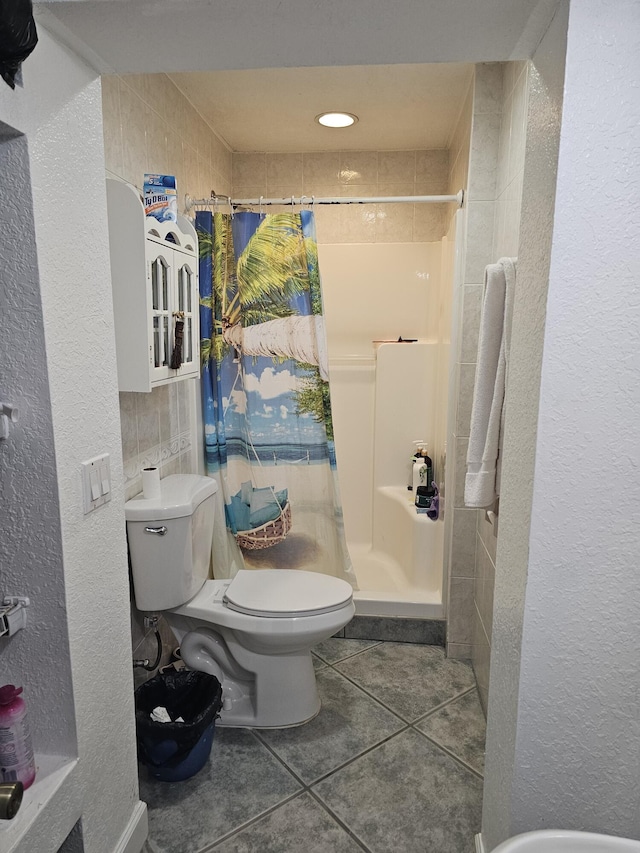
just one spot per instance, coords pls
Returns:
(154, 271)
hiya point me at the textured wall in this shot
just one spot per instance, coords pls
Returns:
(31, 541)
(578, 742)
(546, 74)
(563, 729)
(59, 110)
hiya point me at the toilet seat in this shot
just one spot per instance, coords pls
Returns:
(286, 593)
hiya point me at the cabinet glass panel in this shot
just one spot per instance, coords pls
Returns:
(165, 340)
(156, 341)
(165, 285)
(188, 340)
(154, 285)
(181, 286)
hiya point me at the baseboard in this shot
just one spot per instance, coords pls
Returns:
(431, 632)
(479, 843)
(135, 834)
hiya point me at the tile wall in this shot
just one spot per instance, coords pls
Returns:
(494, 192)
(506, 232)
(352, 174)
(149, 126)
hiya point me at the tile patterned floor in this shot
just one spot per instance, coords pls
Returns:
(393, 762)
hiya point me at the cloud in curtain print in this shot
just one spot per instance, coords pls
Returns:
(271, 383)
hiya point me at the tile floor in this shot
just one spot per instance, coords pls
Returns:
(393, 762)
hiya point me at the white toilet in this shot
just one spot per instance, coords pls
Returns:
(255, 632)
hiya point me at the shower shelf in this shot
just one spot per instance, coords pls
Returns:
(38, 820)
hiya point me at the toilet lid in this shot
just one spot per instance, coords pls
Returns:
(286, 592)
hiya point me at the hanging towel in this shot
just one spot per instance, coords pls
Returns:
(482, 483)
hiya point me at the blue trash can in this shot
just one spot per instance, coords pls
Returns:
(175, 751)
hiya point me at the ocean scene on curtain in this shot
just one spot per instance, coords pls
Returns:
(266, 404)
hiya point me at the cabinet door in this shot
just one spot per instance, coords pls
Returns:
(188, 309)
(160, 274)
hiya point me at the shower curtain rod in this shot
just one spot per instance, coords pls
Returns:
(458, 198)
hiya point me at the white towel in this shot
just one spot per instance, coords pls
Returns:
(482, 483)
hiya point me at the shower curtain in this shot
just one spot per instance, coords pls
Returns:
(265, 391)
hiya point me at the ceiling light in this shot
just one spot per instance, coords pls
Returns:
(336, 119)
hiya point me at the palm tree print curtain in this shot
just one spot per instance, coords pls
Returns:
(266, 404)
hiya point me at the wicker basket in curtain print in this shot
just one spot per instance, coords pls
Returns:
(268, 534)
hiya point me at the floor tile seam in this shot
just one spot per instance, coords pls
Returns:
(451, 754)
(267, 746)
(375, 644)
(238, 829)
(354, 758)
(443, 705)
(372, 696)
(397, 713)
(308, 785)
(339, 821)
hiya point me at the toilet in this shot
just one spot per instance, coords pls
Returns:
(254, 632)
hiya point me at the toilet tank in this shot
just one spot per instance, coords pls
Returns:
(170, 541)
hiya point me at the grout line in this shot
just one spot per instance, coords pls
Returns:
(267, 746)
(396, 713)
(448, 752)
(307, 785)
(443, 705)
(339, 821)
(352, 655)
(371, 696)
(248, 823)
(359, 755)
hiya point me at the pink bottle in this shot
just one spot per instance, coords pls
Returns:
(16, 753)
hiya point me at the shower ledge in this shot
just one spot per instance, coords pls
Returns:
(49, 810)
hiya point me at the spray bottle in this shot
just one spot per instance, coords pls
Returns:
(17, 763)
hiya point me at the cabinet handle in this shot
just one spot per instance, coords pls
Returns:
(159, 530)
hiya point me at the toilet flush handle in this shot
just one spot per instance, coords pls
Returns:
(159, 530)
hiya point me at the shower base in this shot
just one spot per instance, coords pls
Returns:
(385, 591)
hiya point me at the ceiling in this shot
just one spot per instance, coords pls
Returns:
(147, 36)
(396, 64)
(273, 109)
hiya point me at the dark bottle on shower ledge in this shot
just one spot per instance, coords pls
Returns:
(417, 454)
(426, 487)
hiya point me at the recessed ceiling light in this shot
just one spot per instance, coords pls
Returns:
(336, 119)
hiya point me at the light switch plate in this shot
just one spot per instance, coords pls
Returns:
(97, 470)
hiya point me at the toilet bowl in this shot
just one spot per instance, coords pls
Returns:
(262, 656)
(567, 841)
(254, 632)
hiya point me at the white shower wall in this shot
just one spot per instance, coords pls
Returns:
(375, 292)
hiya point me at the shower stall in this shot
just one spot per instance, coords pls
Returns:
(387, 394)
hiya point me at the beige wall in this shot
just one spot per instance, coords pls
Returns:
(354, 173)
(149, 126)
